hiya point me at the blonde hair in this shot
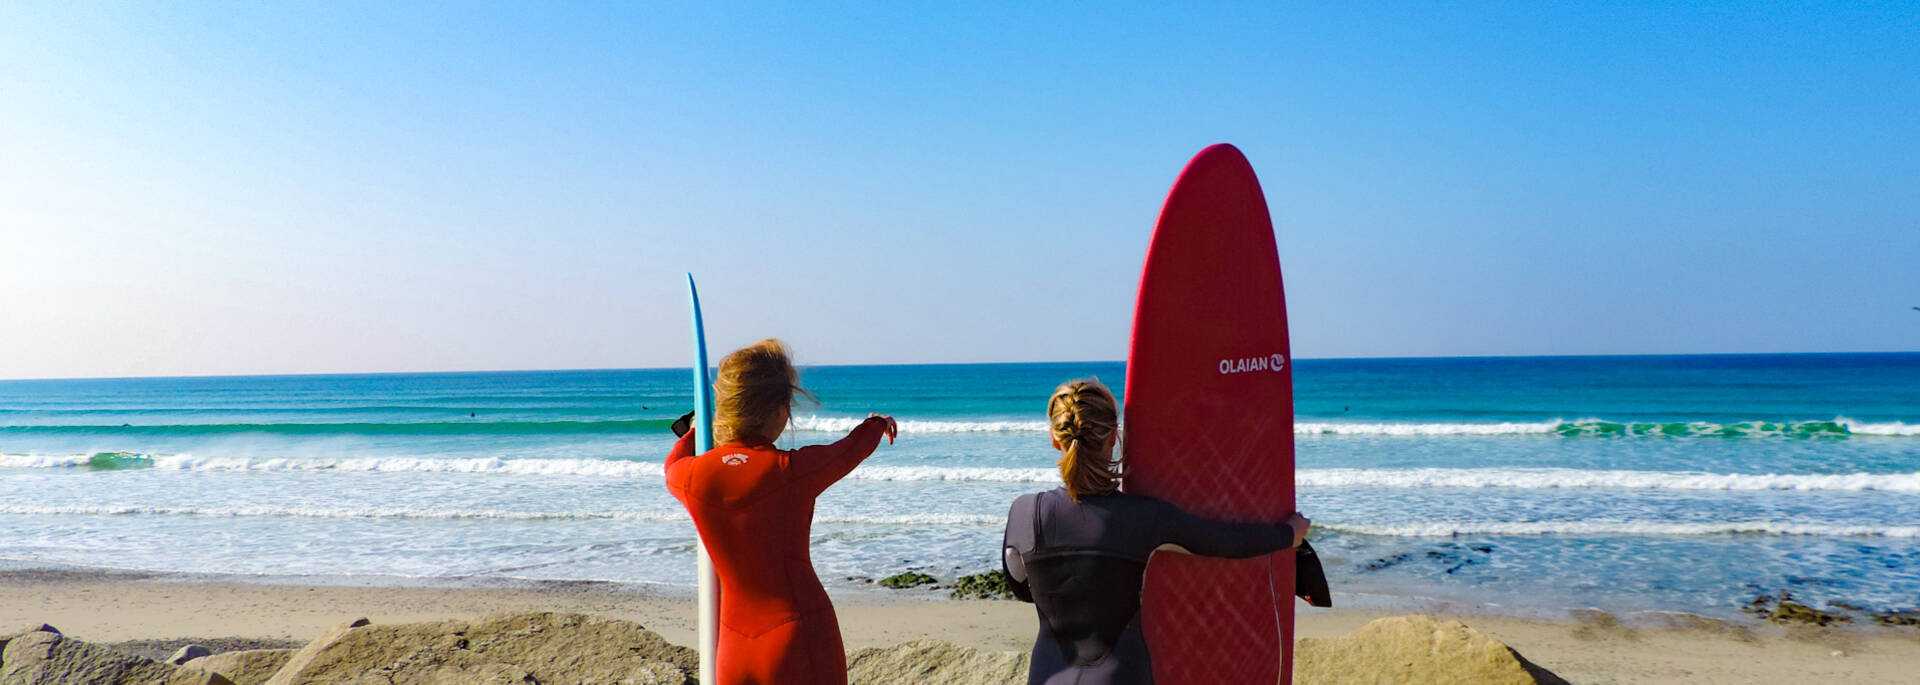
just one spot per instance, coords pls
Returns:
(1082, 416)
(755, 383)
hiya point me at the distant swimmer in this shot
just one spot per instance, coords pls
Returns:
(471, 415)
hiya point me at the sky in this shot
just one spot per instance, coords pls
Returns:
(227, 188)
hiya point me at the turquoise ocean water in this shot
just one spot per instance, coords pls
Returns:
(1532, 484)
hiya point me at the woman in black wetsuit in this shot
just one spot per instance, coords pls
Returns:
(1079, 553)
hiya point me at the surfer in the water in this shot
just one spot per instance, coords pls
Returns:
(753, 505)
(1079, 553)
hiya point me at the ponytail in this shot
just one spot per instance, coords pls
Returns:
(1083, 416)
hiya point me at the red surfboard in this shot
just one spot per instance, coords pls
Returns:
(1209, 423)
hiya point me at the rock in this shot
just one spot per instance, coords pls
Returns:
(1898, 617)
(1414, 649)
(934, 663)
(1783, 610)
(301, 659)
(247, 667)
(188, 653)
(990, 585)
(38, 657)
(502, 648)
(22, 630)
(906, 580)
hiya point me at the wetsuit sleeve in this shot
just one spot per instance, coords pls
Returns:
(819, 466)
(682, 451)
(1210, 538)
(1016, 541)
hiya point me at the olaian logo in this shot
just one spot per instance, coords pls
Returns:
(1272, 362)
(735, 459)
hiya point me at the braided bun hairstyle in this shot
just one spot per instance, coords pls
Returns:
(1083, 416)
(754, 384)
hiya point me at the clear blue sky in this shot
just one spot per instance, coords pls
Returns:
(331, 187)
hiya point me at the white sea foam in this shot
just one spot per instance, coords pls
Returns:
(1431, 529)
(833, 424)
(1647, 528)
(1894, 428)
(1416, 478)
(528, 467)
(423, 513)
(315, 512)
(42, 461)
(1435, 429)
(957, 473)
(1547, 479)
(1564, 427)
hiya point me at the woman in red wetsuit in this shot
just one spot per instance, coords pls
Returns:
(753, 505)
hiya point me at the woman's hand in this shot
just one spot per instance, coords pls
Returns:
(1300, 524)
(893, 429)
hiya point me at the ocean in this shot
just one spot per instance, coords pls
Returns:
(1523, 485)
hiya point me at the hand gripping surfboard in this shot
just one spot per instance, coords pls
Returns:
(1209, 423)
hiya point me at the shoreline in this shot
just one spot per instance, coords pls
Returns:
(1583, 647)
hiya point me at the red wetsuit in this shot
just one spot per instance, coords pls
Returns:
(753, 505)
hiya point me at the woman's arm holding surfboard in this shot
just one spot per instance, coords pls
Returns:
(679, 456)
(818, 467)
(682, 449)
(1191, 534)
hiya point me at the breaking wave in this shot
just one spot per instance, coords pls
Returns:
(406, 513)
(1837, 427)
(1551, 479)
(1414, 478)
(1611, 528)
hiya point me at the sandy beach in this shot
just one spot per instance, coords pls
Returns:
(110, 608)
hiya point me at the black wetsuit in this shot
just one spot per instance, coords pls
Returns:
(1084, 565)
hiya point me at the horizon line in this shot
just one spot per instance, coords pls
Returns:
(882, 364)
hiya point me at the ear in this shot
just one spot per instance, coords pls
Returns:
(1113, 439)
(1056, 444)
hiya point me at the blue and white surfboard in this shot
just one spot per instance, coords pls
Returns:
(702, 443)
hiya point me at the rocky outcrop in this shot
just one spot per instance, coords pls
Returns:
(540, 647)
(502, 648)
(1414, 649)
(935, 663)
(246, 667)
(40, 657)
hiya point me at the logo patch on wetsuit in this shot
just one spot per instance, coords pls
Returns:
(734, 459)
(1271, 362)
